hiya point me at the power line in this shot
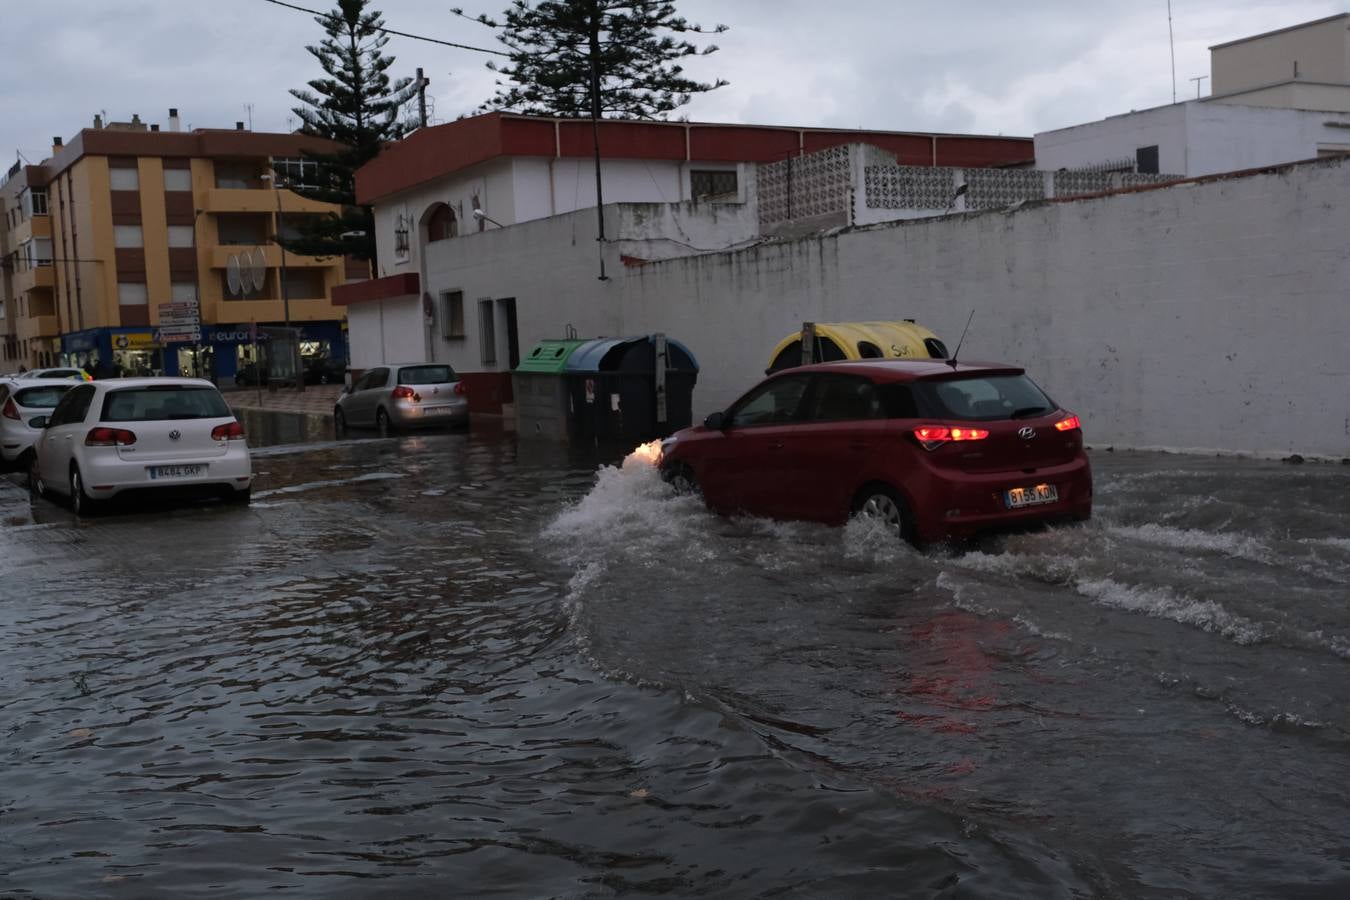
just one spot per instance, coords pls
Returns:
(416, 37)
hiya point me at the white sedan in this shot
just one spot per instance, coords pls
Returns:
(123, 435)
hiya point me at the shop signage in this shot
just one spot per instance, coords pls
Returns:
(180, 334)
(135, 340)
(78, 343)
(241, 334)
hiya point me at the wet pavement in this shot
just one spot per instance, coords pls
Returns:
(461, 665)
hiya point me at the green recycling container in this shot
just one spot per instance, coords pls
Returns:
(540, 389)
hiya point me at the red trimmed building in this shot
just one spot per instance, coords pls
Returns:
(678, 188)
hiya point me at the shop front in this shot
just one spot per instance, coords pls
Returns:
(223, 353)
(232, 348)
(114, 352)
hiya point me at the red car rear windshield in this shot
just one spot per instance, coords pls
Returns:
(982, 398)
(163, 402)
(426, 375)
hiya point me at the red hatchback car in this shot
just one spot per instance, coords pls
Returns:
(934, 450)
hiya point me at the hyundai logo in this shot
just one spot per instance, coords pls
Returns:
(1026, 433)
(175, 434)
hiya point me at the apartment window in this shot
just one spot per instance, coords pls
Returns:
(35, 202)
(128, 236)
(452, 314)
(180, 236)
(39, 251)
(132, 294)
(296, 173)
(710, 184)
(177, 179)
(183, 292)
(124, 180)
(238, 175)
(1146, 160)
(487, 332)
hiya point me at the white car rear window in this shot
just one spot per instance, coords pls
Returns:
(164, 402)
(45, 397)
(426, 375)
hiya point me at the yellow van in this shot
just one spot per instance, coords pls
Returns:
(859, 340)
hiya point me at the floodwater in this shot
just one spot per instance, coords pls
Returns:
(454, 665)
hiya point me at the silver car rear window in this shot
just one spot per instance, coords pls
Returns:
(426, 375)
(45, 397)
(160, 403)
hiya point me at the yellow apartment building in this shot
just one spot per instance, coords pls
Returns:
(126, 219)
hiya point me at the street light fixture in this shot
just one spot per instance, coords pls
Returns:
(479, 214)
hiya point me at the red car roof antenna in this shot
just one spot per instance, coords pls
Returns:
(952, 362)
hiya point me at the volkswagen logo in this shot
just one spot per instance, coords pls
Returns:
(1026, 433)
(175, 434)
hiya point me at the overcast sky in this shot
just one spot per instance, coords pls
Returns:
(954, 66)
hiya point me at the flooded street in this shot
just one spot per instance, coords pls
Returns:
(455, 665)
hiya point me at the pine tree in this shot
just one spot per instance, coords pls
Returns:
(596, 58)
(356, 105)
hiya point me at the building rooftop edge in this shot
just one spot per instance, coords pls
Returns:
(1266, 34)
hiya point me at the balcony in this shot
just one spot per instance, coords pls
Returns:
(36, 277)
(261, 200)
(37, 327)
(220, 257)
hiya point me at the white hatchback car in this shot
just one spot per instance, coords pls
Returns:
(163, 435)
(22, 401)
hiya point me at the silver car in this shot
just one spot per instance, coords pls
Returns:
(143, 435)
(22, 401)
(403, 395)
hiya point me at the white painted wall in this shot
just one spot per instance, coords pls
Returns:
(1196, 138)
(1199, 316)
(385, 331)
(525, 188)
(1118, 137)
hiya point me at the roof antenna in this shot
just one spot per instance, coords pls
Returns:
(952, 362)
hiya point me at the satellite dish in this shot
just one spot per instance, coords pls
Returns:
(232, 279)
(257, 268)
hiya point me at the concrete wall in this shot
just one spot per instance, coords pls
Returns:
(1197, 138)
(1204, 316)
(1293, 95)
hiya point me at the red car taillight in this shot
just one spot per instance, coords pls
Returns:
(460, 388)
(109, 437)
(1069, 424)
(403, 392)
(930, 437)
(230, 431)
(11, 411)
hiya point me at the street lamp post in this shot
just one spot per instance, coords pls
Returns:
(285, 290)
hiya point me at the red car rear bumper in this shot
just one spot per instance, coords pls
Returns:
(955, 505)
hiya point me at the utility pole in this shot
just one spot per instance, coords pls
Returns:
(595, 132)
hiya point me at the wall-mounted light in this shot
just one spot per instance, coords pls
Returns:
(484, 217)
